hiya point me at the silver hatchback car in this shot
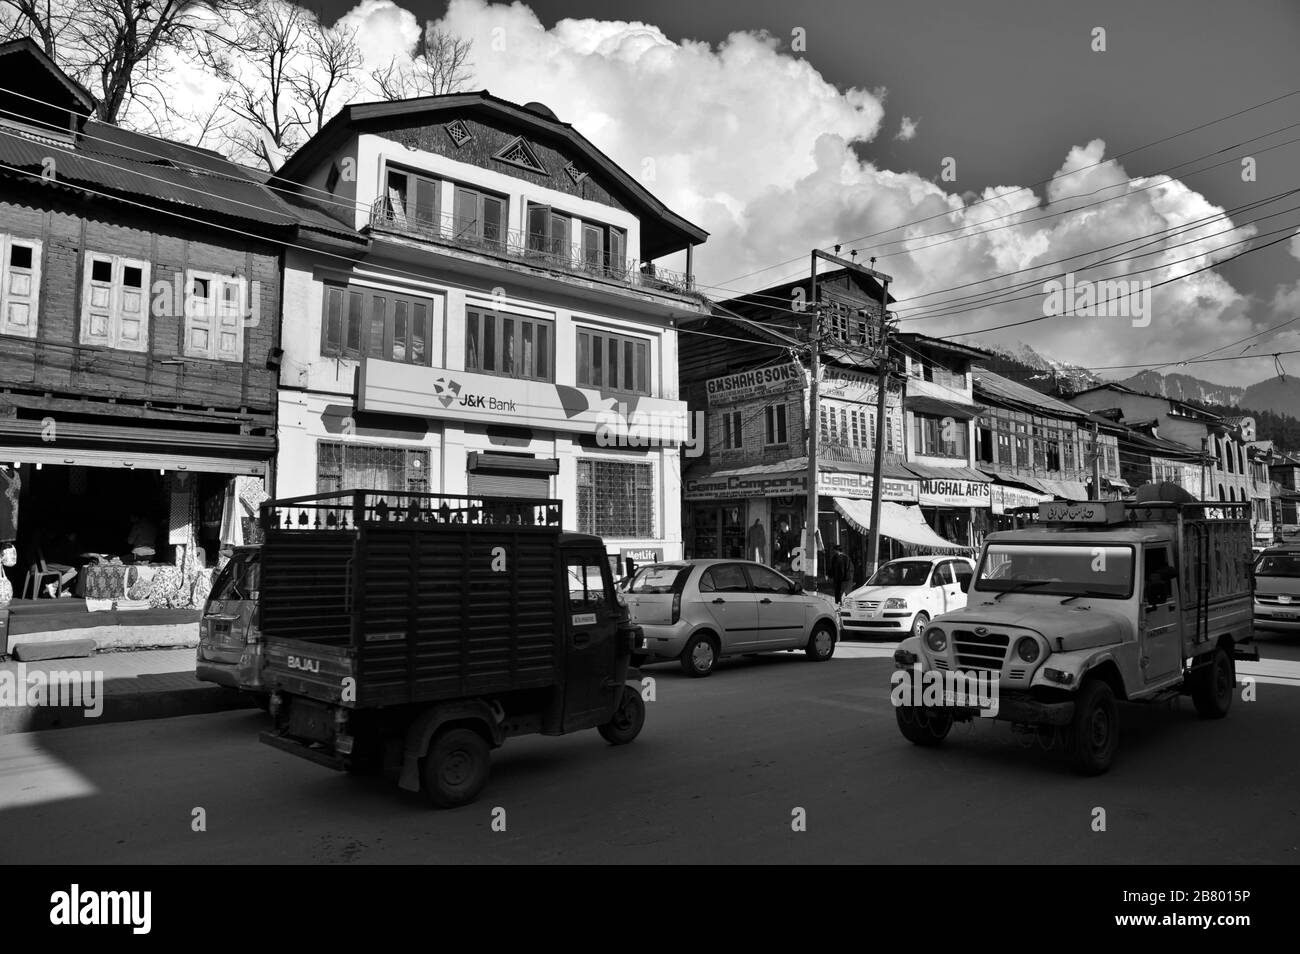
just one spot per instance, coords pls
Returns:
(698, 611)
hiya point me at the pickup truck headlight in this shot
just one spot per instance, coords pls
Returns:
(895, 603)
(1027, 649)
(936, 640)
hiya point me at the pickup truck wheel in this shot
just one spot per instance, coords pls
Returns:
(1212, 692)
(921, 726)
(1094, 734)
(821, 644)
(628, 719)
(456, 768)
(699, 656)
(920, 623)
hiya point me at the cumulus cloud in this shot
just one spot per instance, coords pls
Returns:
(748, 140)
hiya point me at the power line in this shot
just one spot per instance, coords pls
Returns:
(1028, 321)
(1034, 185)
(985, 300)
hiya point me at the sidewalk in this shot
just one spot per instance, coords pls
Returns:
(140, 684)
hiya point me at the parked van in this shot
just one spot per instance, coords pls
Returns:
(230, 640)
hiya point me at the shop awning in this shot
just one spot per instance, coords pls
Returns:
(924, 404)
(1012, 479)
(898, 522)
(1068, 489)
(930, 472)
(141, 448)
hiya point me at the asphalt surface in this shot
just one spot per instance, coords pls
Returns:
(719, 774)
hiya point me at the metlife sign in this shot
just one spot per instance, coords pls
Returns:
(748, 384)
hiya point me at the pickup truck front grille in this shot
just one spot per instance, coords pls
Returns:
(980, 652)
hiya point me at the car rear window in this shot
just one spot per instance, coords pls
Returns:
(659, 578)
(239, 579)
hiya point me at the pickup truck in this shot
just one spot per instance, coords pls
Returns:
(413, 633)
(1092, 603)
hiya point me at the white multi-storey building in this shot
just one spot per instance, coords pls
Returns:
(506, 330)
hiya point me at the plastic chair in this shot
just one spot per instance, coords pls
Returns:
(36, 577)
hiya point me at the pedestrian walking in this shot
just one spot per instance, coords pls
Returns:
(841, 571)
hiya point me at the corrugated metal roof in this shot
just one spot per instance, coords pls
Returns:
(995, 386)
(931, 472)
(152, 171)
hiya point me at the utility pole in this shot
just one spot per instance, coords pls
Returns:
(1096, 462)
(884, 361)
(814, 425)
(814, 411)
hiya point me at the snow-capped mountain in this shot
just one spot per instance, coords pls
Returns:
(1052, 375)
(1184, 387)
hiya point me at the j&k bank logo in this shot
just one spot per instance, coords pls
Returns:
(448, 392)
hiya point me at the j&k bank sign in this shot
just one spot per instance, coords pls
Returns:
(391, 387)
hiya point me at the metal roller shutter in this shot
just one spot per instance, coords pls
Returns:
(504, 484)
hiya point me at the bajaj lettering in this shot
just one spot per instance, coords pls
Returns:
(303, 663)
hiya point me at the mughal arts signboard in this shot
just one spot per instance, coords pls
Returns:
(747, 384)
(955, 493)
(739, 486)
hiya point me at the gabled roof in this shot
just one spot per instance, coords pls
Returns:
(1172, 402)
(26, 47)
(994, 387)
(665, 231)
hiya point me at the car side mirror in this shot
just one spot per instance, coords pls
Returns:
(796, 588)
(964, 583)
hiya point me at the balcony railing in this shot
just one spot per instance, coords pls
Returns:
(530, 248)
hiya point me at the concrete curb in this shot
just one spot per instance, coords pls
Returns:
(123, 707)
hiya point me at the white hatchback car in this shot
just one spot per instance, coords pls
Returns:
(902, 596)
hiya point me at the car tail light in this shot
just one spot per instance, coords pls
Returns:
(677, 607)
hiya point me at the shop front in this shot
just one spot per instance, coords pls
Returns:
(127, 517)
(956, 502)
(760, 513)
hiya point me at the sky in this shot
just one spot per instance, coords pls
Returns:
(963, 144)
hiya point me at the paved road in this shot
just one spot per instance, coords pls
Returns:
(715, 777)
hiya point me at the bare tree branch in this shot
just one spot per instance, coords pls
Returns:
(440, 65)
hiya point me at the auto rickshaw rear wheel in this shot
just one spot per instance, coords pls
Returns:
(456, 768)
(628, 719)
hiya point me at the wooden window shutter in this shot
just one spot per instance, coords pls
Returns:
(19, 286)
